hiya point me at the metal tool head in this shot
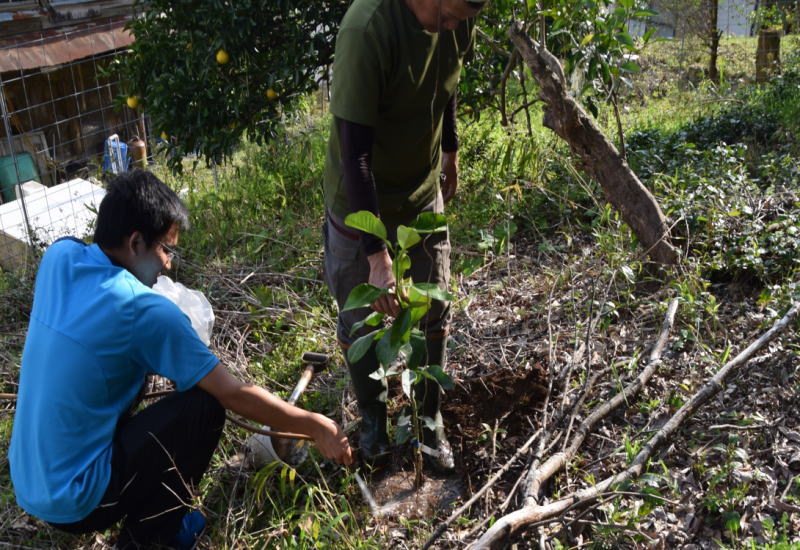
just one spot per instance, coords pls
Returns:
(320, 361)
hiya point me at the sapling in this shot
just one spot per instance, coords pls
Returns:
(399, 342)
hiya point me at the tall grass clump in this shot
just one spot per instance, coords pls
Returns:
(266, 205)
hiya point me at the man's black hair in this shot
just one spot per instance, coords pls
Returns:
(138, 201)
(475, 5)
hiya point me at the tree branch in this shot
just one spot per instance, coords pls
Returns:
(512, 523)
(563, 115)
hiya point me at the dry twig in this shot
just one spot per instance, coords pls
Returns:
(512, 523)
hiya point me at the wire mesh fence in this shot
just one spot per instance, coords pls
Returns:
(60, 133)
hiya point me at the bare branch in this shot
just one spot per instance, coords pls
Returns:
(512, 523)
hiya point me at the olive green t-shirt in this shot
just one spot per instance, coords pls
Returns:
(391, 74)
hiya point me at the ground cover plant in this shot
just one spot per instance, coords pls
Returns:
(556, 310)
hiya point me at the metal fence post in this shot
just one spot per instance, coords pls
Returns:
(10, 138)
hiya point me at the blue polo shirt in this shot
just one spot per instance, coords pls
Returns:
(95, 333)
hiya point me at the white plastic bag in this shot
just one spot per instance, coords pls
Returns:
(192, 302)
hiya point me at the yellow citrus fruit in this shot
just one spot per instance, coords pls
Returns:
(164, 136)
(271, 94)
(223, 57)
(133, 101)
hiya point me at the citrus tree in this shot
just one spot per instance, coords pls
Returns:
(208, 72)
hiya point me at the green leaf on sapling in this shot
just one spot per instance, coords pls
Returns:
(367, 222)
(630, 67)
(433, 291)
(418, 311)
(407, 380)
(407, 237)
(400, 327)
(430, 222)
(360, 347)
(379, 374)
(402, 432)
(418, 349)
(625, 39)
(386, 351)
(363, 295)
(400, 265)
(372, 320)
(437, 373)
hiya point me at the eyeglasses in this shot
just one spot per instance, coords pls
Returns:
(171, 253)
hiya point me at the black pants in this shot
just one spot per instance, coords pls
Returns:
(158, 456)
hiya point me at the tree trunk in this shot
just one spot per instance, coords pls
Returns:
(713, 41)
(768, 54)
(600, 158)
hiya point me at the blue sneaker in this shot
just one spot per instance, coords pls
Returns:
(192, 526)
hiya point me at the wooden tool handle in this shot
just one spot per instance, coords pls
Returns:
(270, 433)
(308, 372)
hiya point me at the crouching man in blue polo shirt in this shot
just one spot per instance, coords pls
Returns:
(97, 329)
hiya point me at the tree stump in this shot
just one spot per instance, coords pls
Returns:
(768, 54)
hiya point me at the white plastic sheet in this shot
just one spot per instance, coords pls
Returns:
(192, 302)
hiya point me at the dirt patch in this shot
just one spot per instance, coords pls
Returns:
(396, 497)
(503, 399)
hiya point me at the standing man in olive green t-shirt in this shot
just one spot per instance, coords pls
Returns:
(393, 140)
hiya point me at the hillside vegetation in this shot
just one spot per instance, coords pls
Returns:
(557, 309)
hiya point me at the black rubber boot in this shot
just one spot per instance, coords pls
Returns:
(371, 398)
(442, 462)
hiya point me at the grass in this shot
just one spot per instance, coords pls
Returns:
(255, 248)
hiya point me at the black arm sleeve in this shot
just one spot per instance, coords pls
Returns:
(355, 147)
(449, 130)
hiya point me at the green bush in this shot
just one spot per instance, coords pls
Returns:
(208, 73)
(729, 179)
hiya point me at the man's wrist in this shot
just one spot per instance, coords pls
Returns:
(317, 425)
(372, 244)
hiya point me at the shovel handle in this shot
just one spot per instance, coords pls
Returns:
(305, 378)
(270, 433)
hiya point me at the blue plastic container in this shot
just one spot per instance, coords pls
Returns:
(115, 156)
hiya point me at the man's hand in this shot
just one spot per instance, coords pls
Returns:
(331, 441)
(259, 405)
(381, 276)
(450, 173)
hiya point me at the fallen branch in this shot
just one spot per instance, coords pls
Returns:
(442, 527)
(559, 460)
(599, 157)
(541, 473)
(515, 521)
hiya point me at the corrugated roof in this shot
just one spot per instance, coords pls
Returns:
(64, 46)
